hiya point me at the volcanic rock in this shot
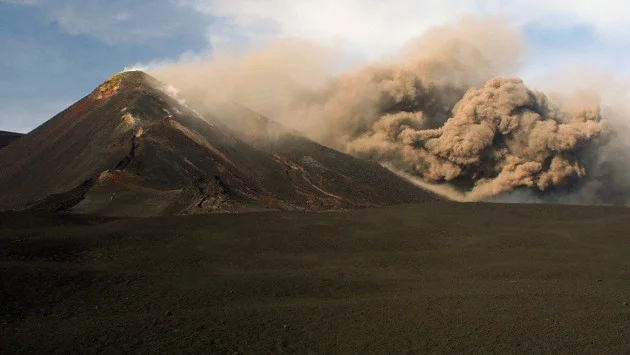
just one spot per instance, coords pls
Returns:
(129, 148)
(8, 137)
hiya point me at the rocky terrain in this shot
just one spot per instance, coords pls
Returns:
(131, 149)
(409, 279)
(8, 137)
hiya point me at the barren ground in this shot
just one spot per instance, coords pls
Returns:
(431, 278)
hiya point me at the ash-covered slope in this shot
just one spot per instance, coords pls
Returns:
(8, 137)
(311, 166)
(129, 148)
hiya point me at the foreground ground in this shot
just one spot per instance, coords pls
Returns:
(433, 278)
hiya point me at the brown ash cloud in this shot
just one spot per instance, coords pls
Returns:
(446, 113)
(500, 137)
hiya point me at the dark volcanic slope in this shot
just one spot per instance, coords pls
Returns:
(310, 165)
(129, 148)
(437, 278)
(8, 137)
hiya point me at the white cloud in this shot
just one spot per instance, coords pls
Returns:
(116, 21)
(123, 16)
(607, 17)
(21, 2)
(186, 57)
(377, 26)
(372, 26)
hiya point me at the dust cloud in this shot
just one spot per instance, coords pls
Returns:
(446, 113)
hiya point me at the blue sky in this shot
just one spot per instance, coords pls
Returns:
(56, 51)
(46, 65)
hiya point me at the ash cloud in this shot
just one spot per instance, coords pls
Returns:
(500, 137)
(446, 113)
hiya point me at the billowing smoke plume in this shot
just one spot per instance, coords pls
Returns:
(445, 113)
(500, 137)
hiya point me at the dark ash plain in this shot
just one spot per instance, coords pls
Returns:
(430, 278)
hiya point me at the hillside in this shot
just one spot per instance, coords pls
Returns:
(131, 149)
(8, 137)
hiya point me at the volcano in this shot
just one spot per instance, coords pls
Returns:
(8, 137)
(130, 148)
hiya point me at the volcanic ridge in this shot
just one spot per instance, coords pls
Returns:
(8, 137)
(130, 148)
